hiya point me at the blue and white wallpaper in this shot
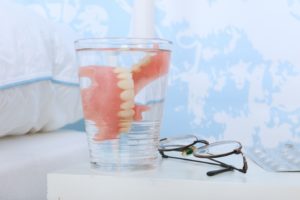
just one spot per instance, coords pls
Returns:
(235, 70)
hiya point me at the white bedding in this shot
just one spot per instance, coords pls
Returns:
(39, 89)
(26, 160)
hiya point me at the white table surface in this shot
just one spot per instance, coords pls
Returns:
(25, 161)
(173, 179)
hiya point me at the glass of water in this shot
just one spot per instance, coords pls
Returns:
(123, 83)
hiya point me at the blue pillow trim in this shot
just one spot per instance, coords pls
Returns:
(65, 83)
(47, 78)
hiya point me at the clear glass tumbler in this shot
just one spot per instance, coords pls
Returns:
(123, 83)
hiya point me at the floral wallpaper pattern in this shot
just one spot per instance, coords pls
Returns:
(235, 70)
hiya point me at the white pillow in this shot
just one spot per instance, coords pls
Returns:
(38, 74)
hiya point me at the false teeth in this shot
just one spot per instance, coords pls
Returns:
(124, 130)
(145, 61)
(121, 70)
(125, 84)
(127, 105)
(126, 113)
(136, 68)
(124, 124)
(127, 94)
(124, 75)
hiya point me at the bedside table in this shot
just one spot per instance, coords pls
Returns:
(173, 179)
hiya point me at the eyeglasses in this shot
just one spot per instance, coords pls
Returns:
(191, 145)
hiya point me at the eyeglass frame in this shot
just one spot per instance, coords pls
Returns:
(210, 157)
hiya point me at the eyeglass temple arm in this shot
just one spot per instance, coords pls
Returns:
(219, 171)
(229, 167)
(197, 161)
(245, 167)
(210, 173)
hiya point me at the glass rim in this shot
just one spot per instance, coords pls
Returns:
(98, 41)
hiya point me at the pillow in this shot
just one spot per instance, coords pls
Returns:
(38, 75)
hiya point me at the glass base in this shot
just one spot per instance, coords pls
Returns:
(135, 150)
(150, 164)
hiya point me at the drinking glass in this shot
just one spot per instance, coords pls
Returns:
(123, 83)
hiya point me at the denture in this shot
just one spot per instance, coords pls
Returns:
(150, 68)
(108, 97)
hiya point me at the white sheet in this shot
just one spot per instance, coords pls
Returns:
(26, 160)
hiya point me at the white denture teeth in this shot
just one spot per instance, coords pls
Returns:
(145, 60)
(124, 124)
(136, 68)
(152, 54)
(124, 75)
(127, 104)
(126, 113)
(121, 70)
(127, 94)
(129, 118)
(124, 129)
(141, 63)
(125, 84)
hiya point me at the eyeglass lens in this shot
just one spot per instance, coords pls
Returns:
(217, 148)
(176, 142)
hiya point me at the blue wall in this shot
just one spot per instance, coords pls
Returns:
(235, 66)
